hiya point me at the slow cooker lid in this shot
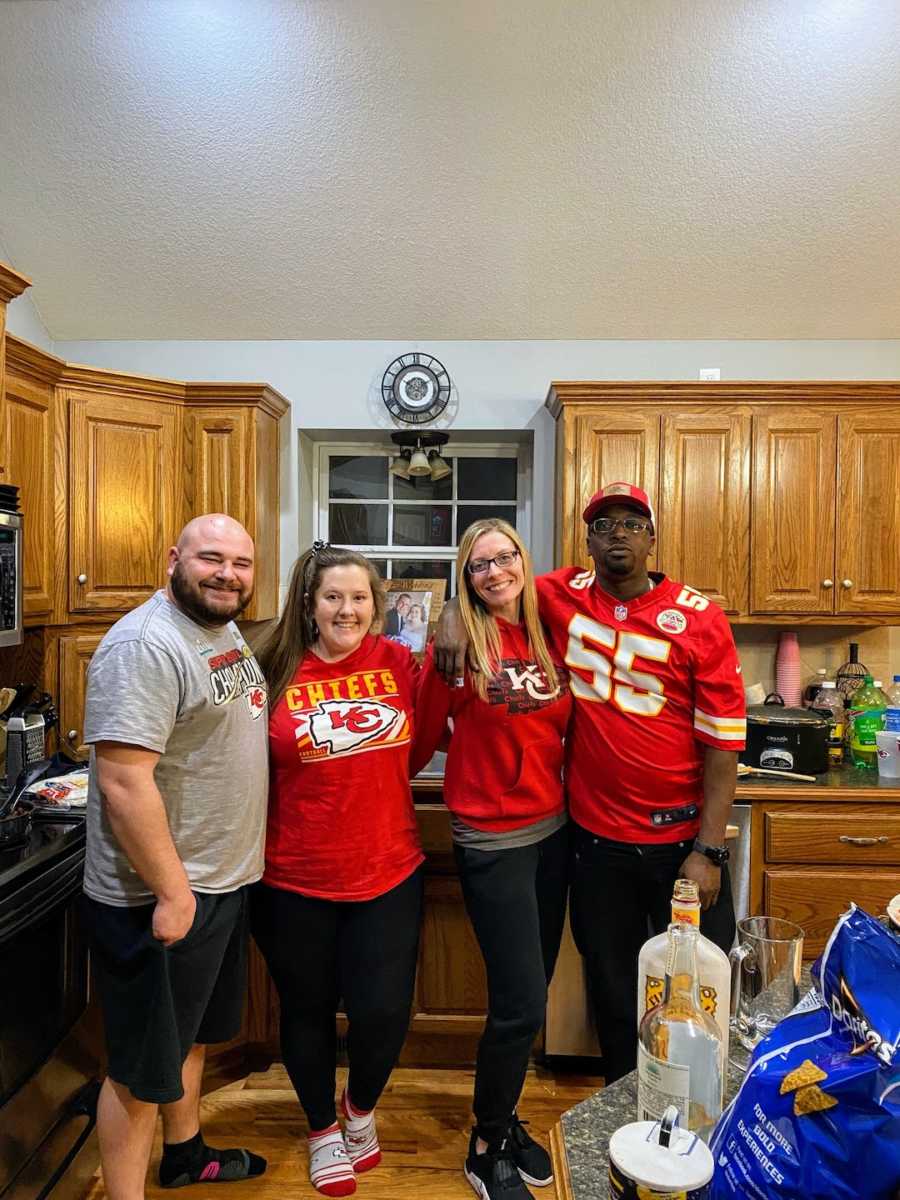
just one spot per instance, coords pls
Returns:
(777, 714)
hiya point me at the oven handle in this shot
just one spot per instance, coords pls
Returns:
(40, 897)
(83, 1104)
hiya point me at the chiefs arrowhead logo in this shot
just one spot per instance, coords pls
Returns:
(344, 726)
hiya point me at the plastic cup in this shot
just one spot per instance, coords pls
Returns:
(887, 744)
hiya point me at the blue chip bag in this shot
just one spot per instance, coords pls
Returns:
(818, 1113)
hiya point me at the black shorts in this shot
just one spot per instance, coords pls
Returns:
(159, 1000)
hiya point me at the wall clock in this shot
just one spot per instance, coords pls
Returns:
(415, 388)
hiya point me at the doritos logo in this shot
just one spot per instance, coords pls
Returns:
(347, 726)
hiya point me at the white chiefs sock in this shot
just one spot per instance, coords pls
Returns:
(360, 1136)
(330, 1168)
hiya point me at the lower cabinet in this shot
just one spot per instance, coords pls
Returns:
(810, 859)
(450, 998)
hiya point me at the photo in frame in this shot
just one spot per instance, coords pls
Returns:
(412, 609)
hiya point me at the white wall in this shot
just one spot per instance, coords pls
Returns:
(335, 386)
(22, 316)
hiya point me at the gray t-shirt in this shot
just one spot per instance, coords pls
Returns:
(197, 696)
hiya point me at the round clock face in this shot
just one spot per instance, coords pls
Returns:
(416, 388)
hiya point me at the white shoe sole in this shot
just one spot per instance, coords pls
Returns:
(534, 1182)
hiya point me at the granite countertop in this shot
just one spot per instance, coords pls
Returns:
(841, 779)
(587, 1128)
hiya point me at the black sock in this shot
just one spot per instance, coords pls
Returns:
(195, 1162)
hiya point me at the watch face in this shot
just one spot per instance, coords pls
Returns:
(416, 388)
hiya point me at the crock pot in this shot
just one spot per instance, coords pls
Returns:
(787, 739)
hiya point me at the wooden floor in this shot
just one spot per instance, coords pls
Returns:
(423, 1124)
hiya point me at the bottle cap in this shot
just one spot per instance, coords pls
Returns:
(867, 680)
(876, 682)
(827, 683)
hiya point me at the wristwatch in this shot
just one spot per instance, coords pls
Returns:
(719, 855)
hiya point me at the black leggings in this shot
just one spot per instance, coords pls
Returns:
(319, 951)
(516, 901)
(621, 893)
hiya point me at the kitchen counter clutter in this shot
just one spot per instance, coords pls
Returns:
(841, 783)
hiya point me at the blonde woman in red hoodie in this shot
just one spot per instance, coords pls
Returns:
(503, 786)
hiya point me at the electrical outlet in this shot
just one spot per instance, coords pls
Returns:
(710, 373)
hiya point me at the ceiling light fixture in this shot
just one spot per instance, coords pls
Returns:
(420, 456)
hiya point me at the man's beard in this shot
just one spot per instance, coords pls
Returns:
(192, 601)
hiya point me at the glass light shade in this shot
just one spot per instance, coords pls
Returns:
(400, 465)
(418, 464)
(439, 468)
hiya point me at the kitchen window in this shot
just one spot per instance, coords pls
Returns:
(410, 528)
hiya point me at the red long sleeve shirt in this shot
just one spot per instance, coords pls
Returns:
(504, 764)
(341, 820)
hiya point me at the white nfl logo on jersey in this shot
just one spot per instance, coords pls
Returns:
(620, 612)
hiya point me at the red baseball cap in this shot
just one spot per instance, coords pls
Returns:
(618, 493)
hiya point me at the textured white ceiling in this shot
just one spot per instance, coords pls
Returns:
(454, 168)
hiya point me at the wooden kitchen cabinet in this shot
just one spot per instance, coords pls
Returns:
(450, 998)
(231, 465)
(12, 284)
(772, 498)
(124, 506)
(73, 657)
(811, 856)
(33, 430)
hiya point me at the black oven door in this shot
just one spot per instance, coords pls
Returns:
(48, 1037)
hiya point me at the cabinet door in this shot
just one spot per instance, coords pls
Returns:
(814, 898)
(705, 505)
(75, 655)
(605, 446)
(868, 518)
(216, 457)
(123, 472)
(29, 427)
(793, 512)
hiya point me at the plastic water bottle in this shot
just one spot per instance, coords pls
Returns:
(828, 697)
(893, 693)
(865, 719)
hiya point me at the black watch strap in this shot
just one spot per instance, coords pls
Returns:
(716, 854)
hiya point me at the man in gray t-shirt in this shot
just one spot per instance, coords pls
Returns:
(177, 716)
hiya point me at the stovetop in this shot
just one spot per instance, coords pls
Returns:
(46, 839)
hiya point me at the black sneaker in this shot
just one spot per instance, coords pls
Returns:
(493, 1175)
(532, 1161)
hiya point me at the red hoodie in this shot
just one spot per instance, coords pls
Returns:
(504, 765)
(341, 821)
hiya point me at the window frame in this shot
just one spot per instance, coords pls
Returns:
(519, 507)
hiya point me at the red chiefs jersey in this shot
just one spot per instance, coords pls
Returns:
(655, 680)
(504, 765)
(341, 820)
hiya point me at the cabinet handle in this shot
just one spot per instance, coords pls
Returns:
(72, 735)
(827, 583)
(846, 583)
(862, 841)
(82, 579)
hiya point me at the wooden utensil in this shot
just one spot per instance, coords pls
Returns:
(745, 770)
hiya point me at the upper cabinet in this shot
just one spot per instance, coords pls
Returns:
(771, 498)
(12, 284)
(110, 466)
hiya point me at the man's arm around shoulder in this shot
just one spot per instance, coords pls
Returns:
(137, 817)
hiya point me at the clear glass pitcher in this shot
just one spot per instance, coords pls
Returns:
(765, 979)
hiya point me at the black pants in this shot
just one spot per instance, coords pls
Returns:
(516, 901)
(621, 894)
(319, 951)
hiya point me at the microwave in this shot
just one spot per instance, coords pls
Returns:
(10, 579)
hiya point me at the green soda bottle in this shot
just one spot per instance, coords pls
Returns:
(865, 718)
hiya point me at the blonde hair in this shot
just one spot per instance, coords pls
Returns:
(284, 643)
(481, 628)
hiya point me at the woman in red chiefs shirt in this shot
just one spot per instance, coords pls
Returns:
(503, 786)
(337, 912)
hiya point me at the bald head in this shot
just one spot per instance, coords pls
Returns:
(212, 527)
(211, 569)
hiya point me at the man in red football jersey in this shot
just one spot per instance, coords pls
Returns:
(651, 755)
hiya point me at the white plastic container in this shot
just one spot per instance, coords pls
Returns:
(887, 743)
(658, 1159)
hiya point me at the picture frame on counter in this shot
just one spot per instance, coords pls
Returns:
(412, 609)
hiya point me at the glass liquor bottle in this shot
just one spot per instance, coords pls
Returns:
(681, 1055)
(713, 967)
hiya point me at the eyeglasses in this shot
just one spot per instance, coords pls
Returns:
(478, 566)
(629, 524)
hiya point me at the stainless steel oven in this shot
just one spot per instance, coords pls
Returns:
(49, 1035)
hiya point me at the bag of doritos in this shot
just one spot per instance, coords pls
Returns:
(818, 1113)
